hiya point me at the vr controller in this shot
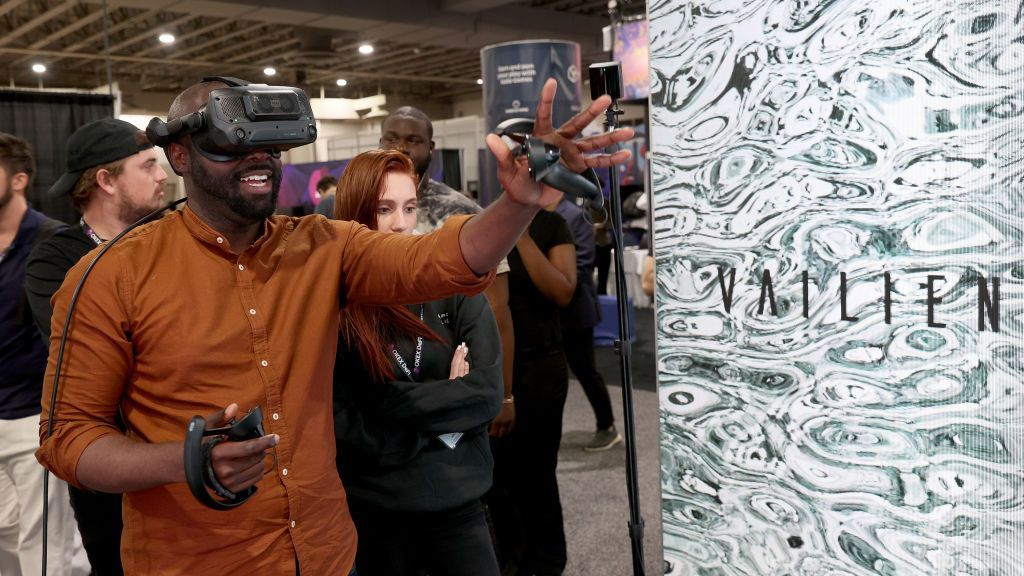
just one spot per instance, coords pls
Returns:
(543, 162)
(199, 466)
(241, 118)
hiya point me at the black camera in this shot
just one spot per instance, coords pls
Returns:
(241, 118)
(606, 78)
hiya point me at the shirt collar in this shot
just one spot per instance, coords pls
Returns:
(30, 222)
(207, 235)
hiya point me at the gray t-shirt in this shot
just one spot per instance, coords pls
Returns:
(326, 206)
(437, 201)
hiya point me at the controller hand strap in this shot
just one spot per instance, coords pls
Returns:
(199, 464)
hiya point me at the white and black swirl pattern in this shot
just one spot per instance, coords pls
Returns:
(839, 224)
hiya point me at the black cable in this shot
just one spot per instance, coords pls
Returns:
(60, 352)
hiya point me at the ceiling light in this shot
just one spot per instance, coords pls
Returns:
(269, 71)
(480, 81)
(366, 49)
(341, 82)
(166, 38)
(38, 68)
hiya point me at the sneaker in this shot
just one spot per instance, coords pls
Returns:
(603, 440)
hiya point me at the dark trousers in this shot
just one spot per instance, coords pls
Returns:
(98, 516)
(453, 542)
(579, 351)
(524, 503)
(603, 261)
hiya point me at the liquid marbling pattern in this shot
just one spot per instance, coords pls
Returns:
(829, 137)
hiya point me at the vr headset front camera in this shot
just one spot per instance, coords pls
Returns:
(240, 119)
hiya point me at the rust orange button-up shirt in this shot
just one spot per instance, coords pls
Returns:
(172, 324)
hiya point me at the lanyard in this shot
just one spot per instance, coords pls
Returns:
(416, 360)
(89, 232)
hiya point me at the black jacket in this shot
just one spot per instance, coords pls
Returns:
(47, 266)
(386, 432)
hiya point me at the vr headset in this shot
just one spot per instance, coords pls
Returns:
(240, 119)
(543, 162)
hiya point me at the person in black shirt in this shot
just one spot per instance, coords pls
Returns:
(113, 179)
(415, 389)
(578, 321)
(524, 503)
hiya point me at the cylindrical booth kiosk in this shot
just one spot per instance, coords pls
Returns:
(513, 74)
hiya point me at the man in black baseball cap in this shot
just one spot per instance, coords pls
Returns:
(114, 179)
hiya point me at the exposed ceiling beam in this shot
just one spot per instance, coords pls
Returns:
(404, 56)
(112, 29)
(250, 55)
(440, 62)
(33, 23)
(150, 31)
(440, 28)
(180, 64)
(221, 38)
(220, 23)
(471, 6)
(69, 29)
(8, 6)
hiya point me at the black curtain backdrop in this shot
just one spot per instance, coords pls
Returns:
(451, 163)
(46, 120)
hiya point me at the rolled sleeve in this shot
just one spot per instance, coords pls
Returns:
(386, 269)
(96, 361)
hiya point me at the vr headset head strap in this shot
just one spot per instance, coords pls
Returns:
(229, 80)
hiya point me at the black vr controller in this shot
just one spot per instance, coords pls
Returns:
(543, 161)
(241, 118)
(199, 467)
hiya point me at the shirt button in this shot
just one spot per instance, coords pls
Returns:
(284, 472)
(276, 416)
(240, 267)
(220, 240)
(264, 363)
(293, 523)
(252, 311)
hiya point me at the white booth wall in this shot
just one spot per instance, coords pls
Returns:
(879, 432)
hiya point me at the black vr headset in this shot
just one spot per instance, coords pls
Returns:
(543, 161)
(240, 119)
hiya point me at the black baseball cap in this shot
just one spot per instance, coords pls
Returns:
(95, 144)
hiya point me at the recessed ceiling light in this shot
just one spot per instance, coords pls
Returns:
(38, 68)
(341, 82)
(269, 71)
(366, 49)
(480, 81)
(166, 38)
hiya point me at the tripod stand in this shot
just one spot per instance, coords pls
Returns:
(606, 78)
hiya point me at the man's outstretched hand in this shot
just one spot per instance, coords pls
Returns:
(513, 172)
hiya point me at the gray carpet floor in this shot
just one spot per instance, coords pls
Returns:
(593, 487)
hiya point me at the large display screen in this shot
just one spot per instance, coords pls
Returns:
(631, 49)
(839, 231)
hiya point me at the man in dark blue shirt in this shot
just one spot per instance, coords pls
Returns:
(23, 358)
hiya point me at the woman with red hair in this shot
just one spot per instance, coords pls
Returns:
(414, 390)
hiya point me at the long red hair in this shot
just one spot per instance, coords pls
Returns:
(371, 328)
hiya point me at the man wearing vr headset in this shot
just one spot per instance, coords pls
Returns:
(222, 305)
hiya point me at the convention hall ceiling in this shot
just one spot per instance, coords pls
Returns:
(427, 47)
